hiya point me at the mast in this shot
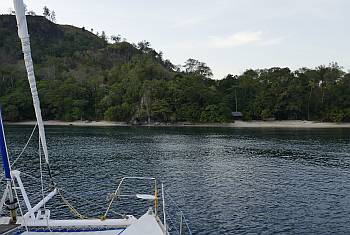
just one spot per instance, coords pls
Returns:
(24, 36)
(11, 203)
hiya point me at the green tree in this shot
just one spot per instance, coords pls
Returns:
(46, 12)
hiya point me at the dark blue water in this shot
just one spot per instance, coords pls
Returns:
(227, 181)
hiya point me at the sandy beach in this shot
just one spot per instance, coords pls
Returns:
(237, 124)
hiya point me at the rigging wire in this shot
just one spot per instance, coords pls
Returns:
(42, 186)
(73, 210)
(24, 148)
(179, 210)
(65, 201)
(73, 195)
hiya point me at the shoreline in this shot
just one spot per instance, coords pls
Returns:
(237, 124)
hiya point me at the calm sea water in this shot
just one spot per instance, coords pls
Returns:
(226, 181)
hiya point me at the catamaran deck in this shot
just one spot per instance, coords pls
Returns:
(146, 224)
(4, 228)
(73, 232)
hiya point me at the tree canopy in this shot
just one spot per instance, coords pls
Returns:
(81, 76)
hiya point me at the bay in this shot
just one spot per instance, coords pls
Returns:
(225, 180)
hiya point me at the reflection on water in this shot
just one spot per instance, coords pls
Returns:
(227, 181)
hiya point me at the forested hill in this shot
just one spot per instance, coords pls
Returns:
(82, 76)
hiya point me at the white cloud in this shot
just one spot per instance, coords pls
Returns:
(242, 38)
(237, 39)
(189, 22)
(271, 41)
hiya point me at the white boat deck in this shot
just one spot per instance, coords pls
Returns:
(123, 223)
(146, 224)
(106, 232)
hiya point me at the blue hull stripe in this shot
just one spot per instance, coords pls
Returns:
(5, 159)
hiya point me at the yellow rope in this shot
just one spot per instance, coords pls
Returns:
(155, 197)
(71, 208)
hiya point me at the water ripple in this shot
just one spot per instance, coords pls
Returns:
(227, 181)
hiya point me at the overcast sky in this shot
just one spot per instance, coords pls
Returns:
(229, 35)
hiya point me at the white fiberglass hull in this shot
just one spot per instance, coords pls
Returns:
(148, 224)
(106, 232)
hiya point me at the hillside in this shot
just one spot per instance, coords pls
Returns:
(47, 39)
(81, 76)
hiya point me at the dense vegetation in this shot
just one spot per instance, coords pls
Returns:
(81, 76)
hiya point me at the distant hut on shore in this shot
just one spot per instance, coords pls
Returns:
(237, 115)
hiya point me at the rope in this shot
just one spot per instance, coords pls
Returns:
(71, 208)
(73, 195)
(90, 202)
(65, 201)
(74, 211)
